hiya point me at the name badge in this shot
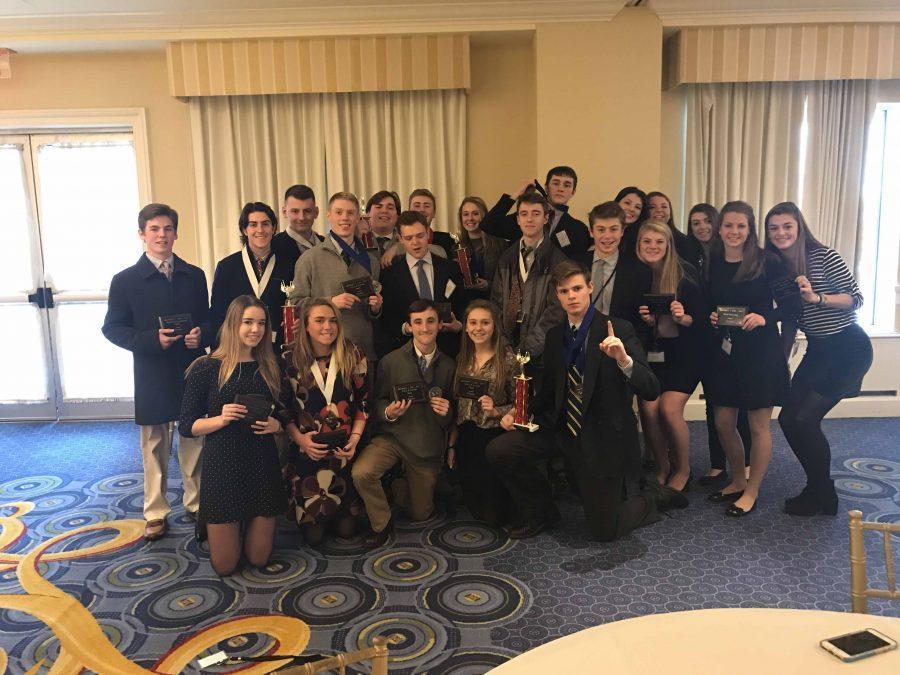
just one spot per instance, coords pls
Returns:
(656, 357)
(726, 346)
(448, 290)
(562, 238)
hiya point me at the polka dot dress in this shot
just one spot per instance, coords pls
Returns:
(241, 476)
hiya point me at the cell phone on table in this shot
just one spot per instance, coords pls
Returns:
(855, 646)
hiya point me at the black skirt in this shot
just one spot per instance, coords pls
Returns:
(679, 370)
(834, 366)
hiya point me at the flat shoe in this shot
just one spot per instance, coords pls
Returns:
(738, 512)
(720, 479)
(725, 497)
(155, 529)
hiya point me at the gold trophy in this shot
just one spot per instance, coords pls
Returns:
(522, 420)
(288, 314)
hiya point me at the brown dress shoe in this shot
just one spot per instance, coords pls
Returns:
(155, 529)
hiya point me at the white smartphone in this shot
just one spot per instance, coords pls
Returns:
(858, 645)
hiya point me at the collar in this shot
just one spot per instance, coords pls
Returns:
(411, 261)
(569, 324)
(157, 261)
(612, 258)
(562, 208)
(522, 245)
(428, 357)
(255, 257)
(300, 239)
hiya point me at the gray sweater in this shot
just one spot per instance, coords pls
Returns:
(420, 432)
(319, 273)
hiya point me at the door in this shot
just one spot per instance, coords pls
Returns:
(73, 201)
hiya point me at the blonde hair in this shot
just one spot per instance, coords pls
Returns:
(671, 272)
(229, 349)
(344, 354)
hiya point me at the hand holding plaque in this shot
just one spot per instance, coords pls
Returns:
(259, 408)
(414, 392)
(730, 316)
(179, 323)
(659, 304)
(361, 287)
(472, 387)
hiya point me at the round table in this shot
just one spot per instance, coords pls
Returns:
(728, 641)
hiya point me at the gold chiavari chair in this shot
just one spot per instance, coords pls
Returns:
(859, 590)
(377, 654)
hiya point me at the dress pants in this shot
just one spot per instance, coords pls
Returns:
(515, 457)
(484, 493)
(156, 446)
(414, 493)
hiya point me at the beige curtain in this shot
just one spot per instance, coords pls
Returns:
(838, 114)
(251, 148)
(743, 142)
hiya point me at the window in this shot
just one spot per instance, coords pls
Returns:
(880, 249)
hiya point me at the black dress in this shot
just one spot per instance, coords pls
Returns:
(755, 374)
(241, 473)
(674, 359)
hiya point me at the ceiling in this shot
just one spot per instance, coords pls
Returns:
(54, 25)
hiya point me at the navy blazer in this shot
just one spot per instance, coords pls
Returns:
(399, 291)
(231, 280)
(138, 296)
(286, 249)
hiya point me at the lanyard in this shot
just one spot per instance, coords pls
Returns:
(353, 251)
(607, 282)
(326, 386)
(258, 287)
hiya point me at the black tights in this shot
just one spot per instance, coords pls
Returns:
(801, 422)
(345, 528)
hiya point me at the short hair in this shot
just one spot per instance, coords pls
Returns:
(565, 171)
(152, 211)
(604, 211)
(421, 192)
(346, 196)
(411, 218)
(568, 268)
(533, 197)
(300, 193)
(420, 305)
(380, 196)
(254, 207)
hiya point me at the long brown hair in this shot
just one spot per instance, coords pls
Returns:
(752, 263)
(229, 349)
(466, 361)
(491, 244)
(344, 354)
(795, 256)
(671, 272)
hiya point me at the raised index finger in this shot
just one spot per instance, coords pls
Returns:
(609, 328)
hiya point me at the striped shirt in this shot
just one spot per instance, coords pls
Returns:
(828, 273)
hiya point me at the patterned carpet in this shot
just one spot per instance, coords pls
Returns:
(462, 597)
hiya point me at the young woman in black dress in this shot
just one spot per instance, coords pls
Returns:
(838, 353)
(749, 369)
(633, 201)
(241, 481)
(325, 390)
(671, 352)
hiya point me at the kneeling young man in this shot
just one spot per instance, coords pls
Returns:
(413, 433)
(592, 366)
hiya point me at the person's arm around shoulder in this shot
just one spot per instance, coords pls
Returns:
(118, 325)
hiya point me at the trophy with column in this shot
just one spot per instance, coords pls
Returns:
(522, 419)
(465, 262)
(288, 314)
(368, 237)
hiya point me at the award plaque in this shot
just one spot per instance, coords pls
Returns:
(258, 407)
(335, 440)
(416, 392)
(180, 323)
(785, 290)
(521, 419)
(731, 316)
(288, 315)
(445, 313)
(659, 303)
(361, 287)
(472, 387)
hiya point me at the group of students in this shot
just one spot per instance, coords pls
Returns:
(362, 392)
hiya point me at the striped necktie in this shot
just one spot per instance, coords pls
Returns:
(574, 399)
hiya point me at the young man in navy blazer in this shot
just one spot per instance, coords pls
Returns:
(160, 285)
(299, 212)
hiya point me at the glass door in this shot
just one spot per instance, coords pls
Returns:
(83, 197)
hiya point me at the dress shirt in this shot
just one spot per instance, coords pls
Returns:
(601, 269)
(627, 369)
(531, 257)
(429, 272)
(157, 262)
(428, 357)
(302, 241)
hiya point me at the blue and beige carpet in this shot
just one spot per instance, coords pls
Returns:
(460, 596)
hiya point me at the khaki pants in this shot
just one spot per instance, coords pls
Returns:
(156, 446)
(415, 494)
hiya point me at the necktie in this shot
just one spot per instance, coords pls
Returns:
(383, 243)
(259, 268)
(423, 365)
(574, 397)
(165, 270)
(512, 312)
(526, 251)
(424, 286)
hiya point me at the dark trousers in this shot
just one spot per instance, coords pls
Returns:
(516, 458)
(484, 492)
(716, 453)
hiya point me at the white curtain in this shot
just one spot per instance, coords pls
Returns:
(743, 142)
(838, 115)
(251, 148)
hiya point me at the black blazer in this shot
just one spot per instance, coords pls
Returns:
(231, 280)
(633, 279)
(138, 296)
(399, 291)
(500, 223)
(445, 241)
(609, 439)
(286, 249)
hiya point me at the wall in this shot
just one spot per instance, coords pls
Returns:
(598, 102)
(502, 133)
(118, 80)
(671, 154)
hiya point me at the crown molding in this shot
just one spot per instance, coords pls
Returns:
(694, 18)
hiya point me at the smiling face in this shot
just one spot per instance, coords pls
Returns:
(660, 209)
(415, 239)
(470, 216)
(253, 327)
(607, 233)
(383, 216)
(701, 227)
(259, 231)
(424, 205)
(480, 326)
(574, 295)
(343, 215)
(301, 214)
(159, 236)
(424, 326)
(652, 247)
(631, 204)
(322, 326)
(782, 231)
(531, 219)
(560, 189)
(735, 230)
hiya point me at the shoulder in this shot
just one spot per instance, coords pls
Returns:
(202, 368)
(229, 261)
